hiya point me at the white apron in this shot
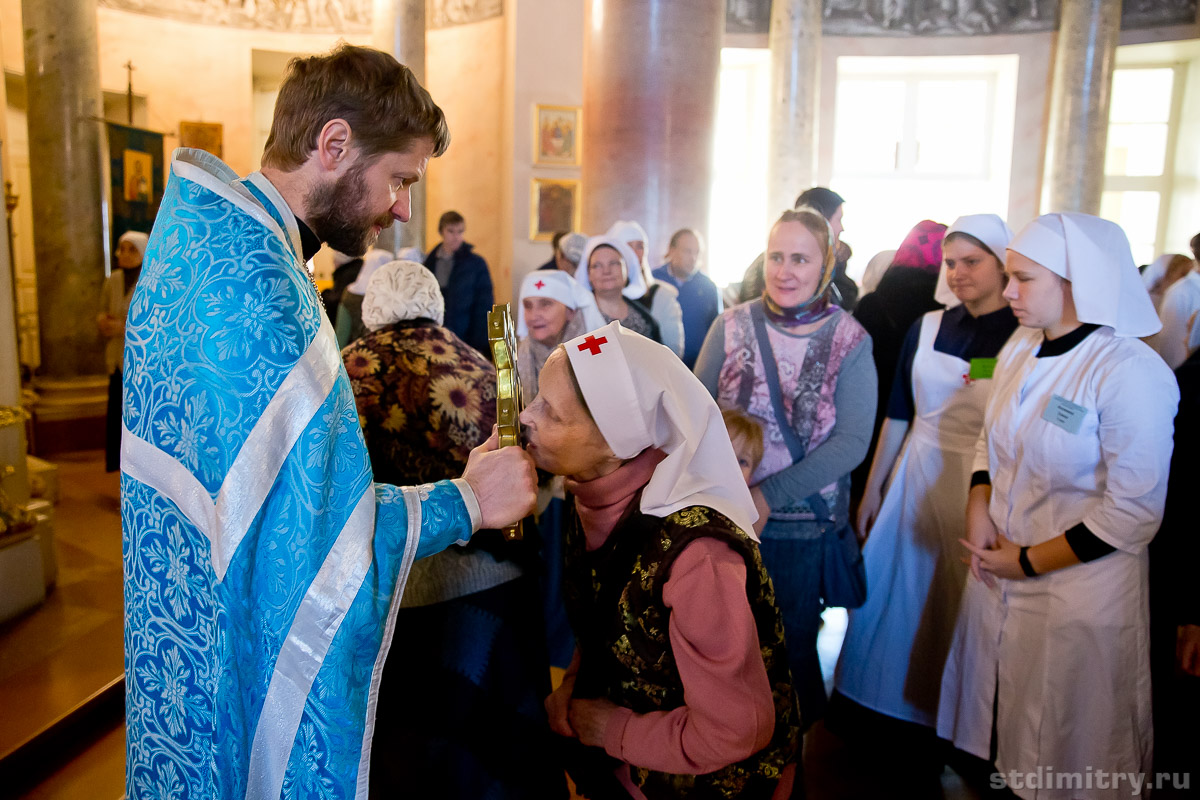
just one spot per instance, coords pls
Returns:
(1065, 656)
(896, 643)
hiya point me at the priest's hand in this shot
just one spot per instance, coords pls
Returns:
(1002, 560)
(504, 481)
(589, 719)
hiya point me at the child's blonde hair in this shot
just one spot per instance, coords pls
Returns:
(742, 426)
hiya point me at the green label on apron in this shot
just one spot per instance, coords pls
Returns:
(982, 369)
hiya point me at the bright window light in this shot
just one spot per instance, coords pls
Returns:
(738, 222)
(920, 138)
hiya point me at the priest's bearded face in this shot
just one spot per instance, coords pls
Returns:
(350, 211)
(1035, 294)
(794, 264)
(562, 437)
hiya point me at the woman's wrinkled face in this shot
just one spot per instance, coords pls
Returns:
(1035, 294)
(972, 272)
(606, 270)
(794, 264)
(546, 319)
(128, 256)
(560, 435)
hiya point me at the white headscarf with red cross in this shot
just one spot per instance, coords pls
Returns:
(641, 395)
(558, 285)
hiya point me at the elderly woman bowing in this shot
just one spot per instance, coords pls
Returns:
(679, 686)
(468, 630)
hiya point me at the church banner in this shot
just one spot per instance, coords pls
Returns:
(136, 177)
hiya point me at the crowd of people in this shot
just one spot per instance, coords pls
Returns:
(1013, 546)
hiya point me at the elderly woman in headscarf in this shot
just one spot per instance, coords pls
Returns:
(347, 320)
(468, 629)
(554, 308)
(610, 270)
(679, 686)
(659, 296)
(1050, 664)
(802, 367)
(115, 295)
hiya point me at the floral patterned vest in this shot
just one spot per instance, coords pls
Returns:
(615, 603)
(808, 377)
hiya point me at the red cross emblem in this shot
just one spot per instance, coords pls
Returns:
(540, 284)
(593, 344)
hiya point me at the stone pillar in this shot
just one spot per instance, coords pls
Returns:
(62, 79)
(795, 41)
(650, 72)
(1082, 88)
(399, 29)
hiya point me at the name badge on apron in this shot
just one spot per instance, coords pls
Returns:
(1064, 414)
(982, 369)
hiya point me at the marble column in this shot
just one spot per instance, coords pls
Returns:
(398, 27)
(62, 78)
(649, 114)
(1082, 88)
(795, 41)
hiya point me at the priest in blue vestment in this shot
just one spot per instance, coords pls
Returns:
(263, 565)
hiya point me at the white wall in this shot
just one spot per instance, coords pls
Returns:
(547, 59)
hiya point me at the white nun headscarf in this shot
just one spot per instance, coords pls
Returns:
(1093, 254)
(558, 285)
(873, 274)
(641, 395)
(987, 228)
(372, 260)
(633, 271)
(137, 239)
(402, 290)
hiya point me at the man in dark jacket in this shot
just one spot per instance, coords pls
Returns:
(465, 280)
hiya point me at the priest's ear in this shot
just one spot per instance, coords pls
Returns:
(335, 146)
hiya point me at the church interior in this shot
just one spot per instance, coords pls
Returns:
(564, 115)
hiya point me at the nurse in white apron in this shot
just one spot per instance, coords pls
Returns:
(1070, 480)
(896, 643)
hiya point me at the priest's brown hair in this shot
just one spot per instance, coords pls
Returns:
(380, 98)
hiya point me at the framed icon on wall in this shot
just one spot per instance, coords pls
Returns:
(556, 132)
(554, 207)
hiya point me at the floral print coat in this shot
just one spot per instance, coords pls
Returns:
(425, 398)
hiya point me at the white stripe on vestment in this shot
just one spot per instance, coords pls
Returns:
(164, 473)
(256, 467)
(317, 620)
(412, 501)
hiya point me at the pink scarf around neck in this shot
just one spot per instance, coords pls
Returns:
(601, 502)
